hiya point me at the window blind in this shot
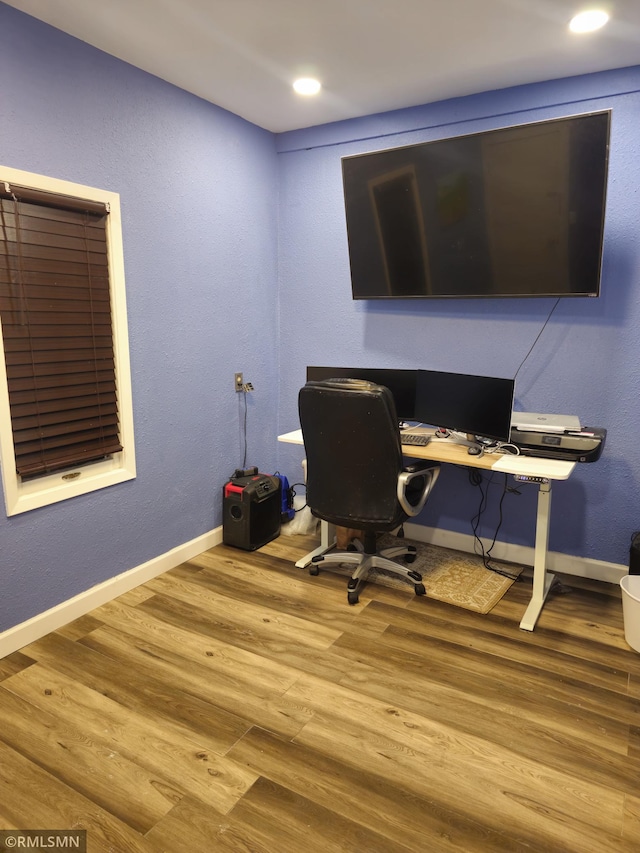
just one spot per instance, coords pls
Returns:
(55, 309)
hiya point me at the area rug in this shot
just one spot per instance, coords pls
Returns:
(451, 576)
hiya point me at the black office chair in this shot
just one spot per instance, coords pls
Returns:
(356, 476)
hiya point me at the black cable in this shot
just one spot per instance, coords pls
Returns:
(292, 490)
(500, 516)
(244, 458)
(537, 336)
(476, 479)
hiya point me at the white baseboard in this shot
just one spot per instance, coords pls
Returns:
(50, 620)
(556, 562)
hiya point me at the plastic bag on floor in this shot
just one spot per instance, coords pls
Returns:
(303, 522)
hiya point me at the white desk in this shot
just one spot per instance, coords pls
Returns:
(441, 450)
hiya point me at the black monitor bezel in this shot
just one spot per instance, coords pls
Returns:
(491, 421)
(401, 382)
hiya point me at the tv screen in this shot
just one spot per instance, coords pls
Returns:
(512, 212)
(476, 405)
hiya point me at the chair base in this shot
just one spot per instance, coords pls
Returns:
(364, 562)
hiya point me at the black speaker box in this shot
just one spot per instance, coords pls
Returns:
(251, 511)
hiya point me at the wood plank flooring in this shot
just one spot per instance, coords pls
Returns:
(238, 704)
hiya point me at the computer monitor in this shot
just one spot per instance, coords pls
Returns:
(401, 383)
(476, 405)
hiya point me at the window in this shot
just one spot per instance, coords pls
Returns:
(66, 422)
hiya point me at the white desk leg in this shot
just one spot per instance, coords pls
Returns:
(542, 581)
(327, 542)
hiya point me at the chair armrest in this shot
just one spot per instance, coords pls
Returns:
(429, 471)
(420, 465)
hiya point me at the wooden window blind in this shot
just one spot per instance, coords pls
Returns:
(55, 309)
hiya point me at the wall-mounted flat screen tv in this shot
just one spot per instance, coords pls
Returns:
(512, 212)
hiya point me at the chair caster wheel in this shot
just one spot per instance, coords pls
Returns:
(409, 558)
(352, 597)
(419, 589)
(314, 570)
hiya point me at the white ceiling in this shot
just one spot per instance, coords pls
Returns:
(371, 55)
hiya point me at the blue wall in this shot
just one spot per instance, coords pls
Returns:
(198, 190)
(223, 277)
(586, 362)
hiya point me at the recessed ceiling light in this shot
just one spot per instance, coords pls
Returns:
(307, 86)
(589, 20)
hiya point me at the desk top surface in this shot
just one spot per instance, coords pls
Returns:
(442, 450)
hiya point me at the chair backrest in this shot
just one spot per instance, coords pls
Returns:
(353, 450)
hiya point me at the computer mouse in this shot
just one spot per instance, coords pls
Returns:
(474, 451)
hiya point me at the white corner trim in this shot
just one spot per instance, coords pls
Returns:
(50, 620)
(561, 563)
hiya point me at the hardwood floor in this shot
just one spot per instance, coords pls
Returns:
(238, 704)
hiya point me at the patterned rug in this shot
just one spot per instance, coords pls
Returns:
(451, 576)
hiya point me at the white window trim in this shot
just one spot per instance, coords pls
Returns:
(23, 496)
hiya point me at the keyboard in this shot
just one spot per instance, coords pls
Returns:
(419, 439)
